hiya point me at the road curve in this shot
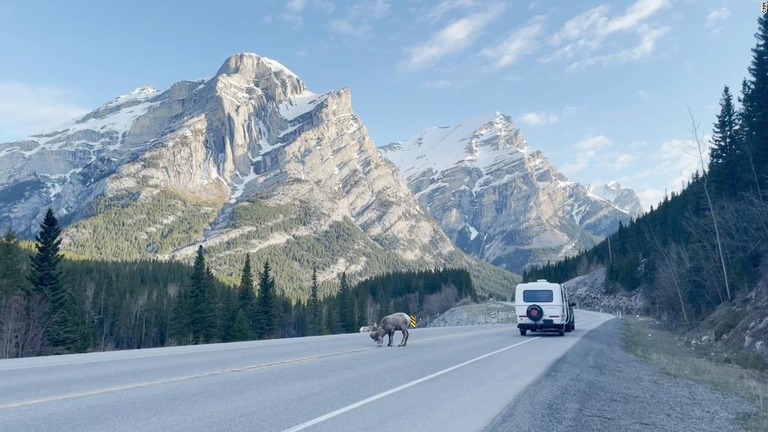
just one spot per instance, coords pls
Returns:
(446, 379)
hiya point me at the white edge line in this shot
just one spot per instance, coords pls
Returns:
(200, 375)
(399, 388)
(373, 398)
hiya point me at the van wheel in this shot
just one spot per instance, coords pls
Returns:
(573, 326)
(562, 331)
(522, 332)
(567, 328)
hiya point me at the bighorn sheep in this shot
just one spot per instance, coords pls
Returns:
(389, 325)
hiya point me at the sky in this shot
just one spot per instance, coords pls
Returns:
(602, 88)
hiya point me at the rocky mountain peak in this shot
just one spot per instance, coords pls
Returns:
(501, 200)
(140, 93)
(623, 199)
(262, 72)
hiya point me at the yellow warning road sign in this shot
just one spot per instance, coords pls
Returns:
(413, 321)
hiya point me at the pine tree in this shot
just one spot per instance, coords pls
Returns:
(201, 312)
(242, 329)
(11, 275)
(725, 160)
(61, 332)
(228, 311)
(181, 330)
(266, 307)
(247, 296)
(346, 305)
(313, 308)
(754, 115)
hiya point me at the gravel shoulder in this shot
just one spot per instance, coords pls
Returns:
(597, 385)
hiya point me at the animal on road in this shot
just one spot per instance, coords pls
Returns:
(389, 325)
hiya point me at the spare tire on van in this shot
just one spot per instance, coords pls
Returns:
(534, 313)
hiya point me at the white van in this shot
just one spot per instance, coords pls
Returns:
(543, 306)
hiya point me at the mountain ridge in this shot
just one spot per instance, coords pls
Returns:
(249, 160)
(501, 200)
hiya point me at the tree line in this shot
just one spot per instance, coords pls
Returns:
(707, 244)
(51, 304)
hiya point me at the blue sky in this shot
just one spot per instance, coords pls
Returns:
(602, 88)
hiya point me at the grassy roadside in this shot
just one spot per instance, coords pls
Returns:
(663, 349)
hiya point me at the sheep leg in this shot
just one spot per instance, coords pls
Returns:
(390, 334)
(405, 337)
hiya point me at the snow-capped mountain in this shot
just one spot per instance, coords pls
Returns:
(623, 199)
(500, 199)
(249, 160)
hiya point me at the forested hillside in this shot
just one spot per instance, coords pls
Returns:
(54, 303)
(708, 244)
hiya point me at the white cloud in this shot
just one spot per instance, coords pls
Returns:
(587, 33)
(648, 40)
(296, 5)
(360, 18)
(579, 163)
(621, 161)
(27, 109)
(294, 9)
(293, 20)
(670, 165)
(643, 94)
(519, 43)
(439, 84)
(570, 111)
(444, 7)
(717, 15)
(584, 153)
(267, 19)
(537, 118)
(650, 197)
(594, 143)
(451, 39)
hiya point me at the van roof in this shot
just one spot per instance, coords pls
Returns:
(540, 284)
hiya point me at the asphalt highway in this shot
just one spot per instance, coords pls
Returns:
(446, 379)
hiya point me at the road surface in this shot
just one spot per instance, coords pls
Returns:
(446, 379)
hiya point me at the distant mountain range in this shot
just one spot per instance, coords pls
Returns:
(500, 199)
(251, 161)
(248, 161)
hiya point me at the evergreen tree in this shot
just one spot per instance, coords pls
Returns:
(313, 308)
(247, 296)
(228, 311)
(346, 305)
(241, 330)
(725, 161)
(181, 329)
(61, 331)
(202, 315)
(754, 115)
(11, 274)
(266, 306)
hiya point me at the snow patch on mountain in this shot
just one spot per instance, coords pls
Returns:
(500, 199)
(440, 148)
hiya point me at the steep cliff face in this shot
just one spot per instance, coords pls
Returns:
(498, 198)
(246, 161)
